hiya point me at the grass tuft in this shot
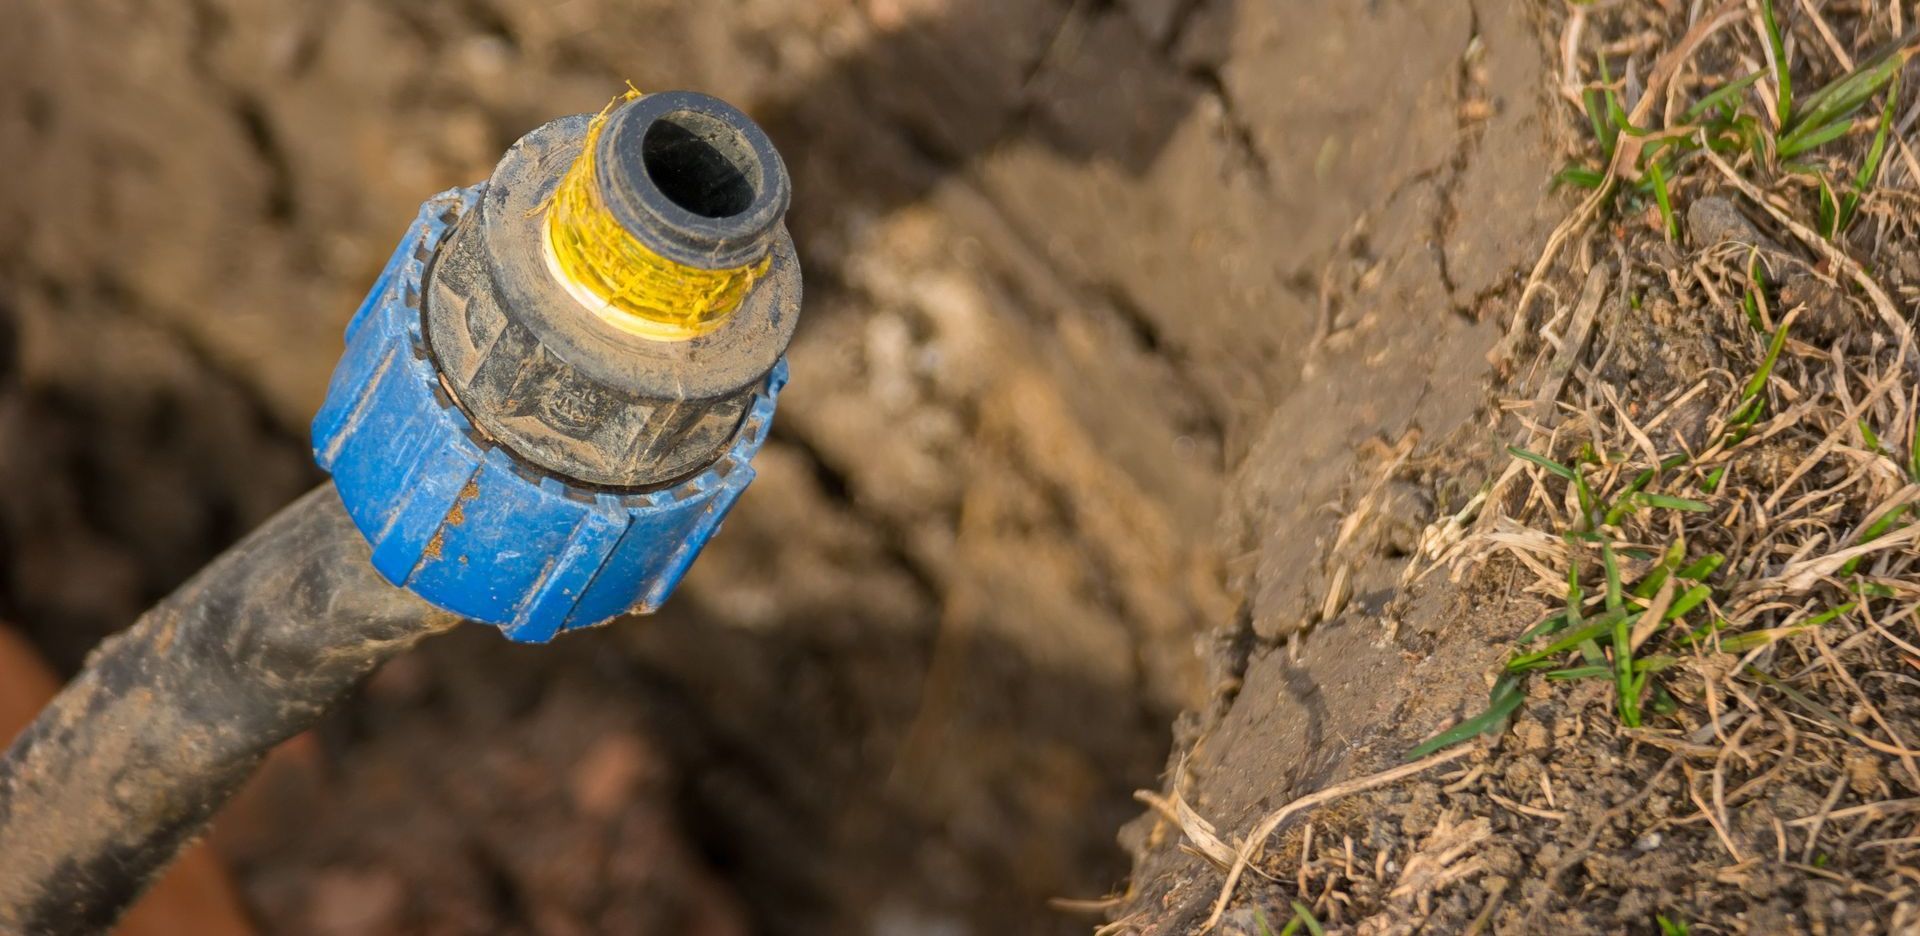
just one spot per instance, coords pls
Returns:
(1672, 927)
(1824, 114)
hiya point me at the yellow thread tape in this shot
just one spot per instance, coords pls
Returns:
(627, 284)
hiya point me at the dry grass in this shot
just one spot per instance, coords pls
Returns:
(1715, 727)
(1718, 502)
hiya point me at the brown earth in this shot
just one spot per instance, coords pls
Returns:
(1730, 372)
(1116, 312)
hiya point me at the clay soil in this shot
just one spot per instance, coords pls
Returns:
(1145, 343)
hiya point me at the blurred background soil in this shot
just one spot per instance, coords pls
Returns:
(1110, 303)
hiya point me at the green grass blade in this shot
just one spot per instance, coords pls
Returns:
(1725, 95)
(1741, 643)
(1576, 596)
(1672, 927)
(1623, 504)
(1487, 722)
(1748, 127)
(1872, 439)
(1752, 404)
(1758, 381)
(1874, 531)
(1623, 678)
(1794, 144)
(1599, 626)
(1302, 913)
(1551, 625)
(1614, 598)
(1579, 176)
(1658, 149)
(1579, 672)
(1827, 213)
(1828, 108)
(1616, 114)
(1664, 200)
(1596, 116)
(1756, 289)
(1657, 576)
(1879, 527)
(1783, 78)
(1699, 569)
(1671, 502)
(1828, 614)
(1543, 461)
(1869, 74)
(1913, 451)
(1580, 488)
(1869, 169)
(1687, 602)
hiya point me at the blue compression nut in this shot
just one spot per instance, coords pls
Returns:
(458, 519)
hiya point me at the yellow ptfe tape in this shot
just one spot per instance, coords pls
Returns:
(628, 285)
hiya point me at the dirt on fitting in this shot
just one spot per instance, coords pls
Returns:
(1146, 351)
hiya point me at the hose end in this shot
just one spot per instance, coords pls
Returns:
(668, 216)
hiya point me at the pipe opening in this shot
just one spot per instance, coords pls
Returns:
(701, 164)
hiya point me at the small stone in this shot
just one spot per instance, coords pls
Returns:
(1908, 267)
(1826, 314)
(1534, 736)
(1714, 220)
(1245, 921)
(1273, 629)
(1863, 773)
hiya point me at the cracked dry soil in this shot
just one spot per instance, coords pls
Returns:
(1110, 305)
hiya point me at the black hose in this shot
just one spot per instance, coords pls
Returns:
(138, 752)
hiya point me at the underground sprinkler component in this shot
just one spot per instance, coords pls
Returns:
(548, 402)
(555, 392)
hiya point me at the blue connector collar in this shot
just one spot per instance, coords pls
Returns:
(458, 520)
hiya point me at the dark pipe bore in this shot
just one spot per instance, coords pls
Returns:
(700, 164)
(693, 178)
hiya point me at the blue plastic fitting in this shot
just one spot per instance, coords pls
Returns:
(464, 524)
